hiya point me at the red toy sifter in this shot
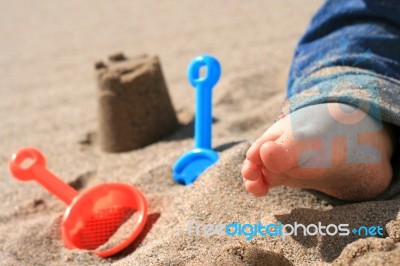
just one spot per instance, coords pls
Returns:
(92, 216)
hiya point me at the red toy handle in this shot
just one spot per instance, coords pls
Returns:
(38, 171)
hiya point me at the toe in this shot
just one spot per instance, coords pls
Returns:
(253, 153)
(278, 158)
(250, 170)
(258, 187)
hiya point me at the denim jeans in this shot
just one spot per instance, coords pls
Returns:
(350, 54)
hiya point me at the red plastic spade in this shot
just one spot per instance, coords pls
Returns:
(92, 216)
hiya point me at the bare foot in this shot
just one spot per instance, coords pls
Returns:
(333, 148)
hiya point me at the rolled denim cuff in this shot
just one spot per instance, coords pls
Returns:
(377, 95)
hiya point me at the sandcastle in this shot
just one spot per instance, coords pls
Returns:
(134, 104)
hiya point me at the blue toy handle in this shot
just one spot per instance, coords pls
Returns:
(213, 71)
(203, 86)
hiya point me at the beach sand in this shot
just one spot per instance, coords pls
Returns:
(49, 101)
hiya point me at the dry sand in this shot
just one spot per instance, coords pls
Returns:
(49, 101)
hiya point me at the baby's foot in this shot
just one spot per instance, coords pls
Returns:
(333, 148)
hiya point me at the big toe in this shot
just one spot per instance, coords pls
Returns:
(273, 133)
(278, 157)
